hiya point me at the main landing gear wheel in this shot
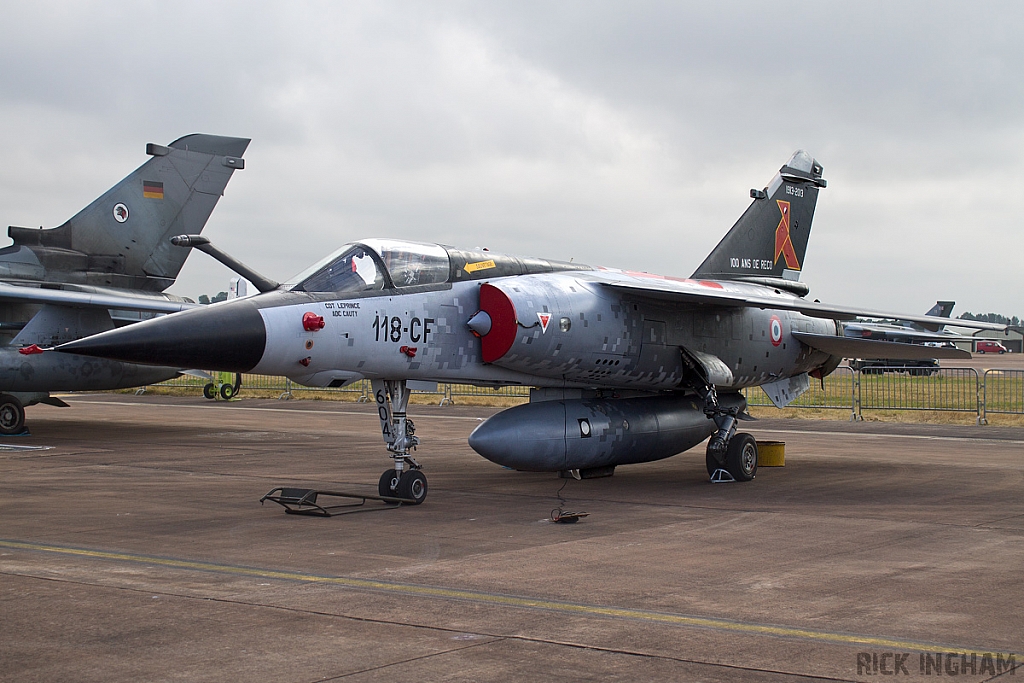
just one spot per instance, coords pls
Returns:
(387, 484)
(210, 391)
(12, 415)
(741, 457)
(227, 392)
(413, 486)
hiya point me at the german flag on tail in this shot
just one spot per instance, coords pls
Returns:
(152, 189)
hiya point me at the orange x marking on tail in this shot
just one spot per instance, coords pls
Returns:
(783, 244)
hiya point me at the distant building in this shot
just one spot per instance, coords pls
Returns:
(1012, 339)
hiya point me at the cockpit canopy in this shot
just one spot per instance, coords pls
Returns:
(373, 264)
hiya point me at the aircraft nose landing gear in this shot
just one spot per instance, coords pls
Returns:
(411, 485)
(405, 480)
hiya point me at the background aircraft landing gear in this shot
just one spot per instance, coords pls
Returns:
(226, 387)
(405, 481)
(12, 415)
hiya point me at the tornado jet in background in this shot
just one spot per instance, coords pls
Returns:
(906, 330)
(626, 367)
(105, 267)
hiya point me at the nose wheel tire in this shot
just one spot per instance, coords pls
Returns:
(12, 415)
(412, 485)
(741, 457)
(388, 483)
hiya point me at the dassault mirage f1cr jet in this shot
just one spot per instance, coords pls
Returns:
(106, 266)
(627, 367)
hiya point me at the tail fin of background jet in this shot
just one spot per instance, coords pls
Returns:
(123, 238)
(767, 243)
(941, 309)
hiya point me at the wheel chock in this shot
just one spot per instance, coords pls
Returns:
(721, 476)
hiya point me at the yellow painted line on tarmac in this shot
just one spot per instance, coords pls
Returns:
(480, 597)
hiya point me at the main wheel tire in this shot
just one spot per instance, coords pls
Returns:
(713, 463)
(227, 392)
(210, 391)
(412, 485)
(12, 415)
(741, 457)
(388, 484)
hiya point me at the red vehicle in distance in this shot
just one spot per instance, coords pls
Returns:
(990, 346)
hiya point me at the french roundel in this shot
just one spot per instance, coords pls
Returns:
(775, 330)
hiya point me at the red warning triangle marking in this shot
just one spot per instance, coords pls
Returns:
(545, 318)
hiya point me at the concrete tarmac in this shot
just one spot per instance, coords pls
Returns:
(134, 548)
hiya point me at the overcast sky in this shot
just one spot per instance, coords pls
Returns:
(619, 134)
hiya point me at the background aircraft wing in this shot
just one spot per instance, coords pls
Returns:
(851, 347)
(63, 297)
(892, 332)
(716, 294)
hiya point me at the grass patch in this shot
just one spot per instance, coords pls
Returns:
(945, 398)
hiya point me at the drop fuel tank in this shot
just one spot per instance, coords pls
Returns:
(551, 436)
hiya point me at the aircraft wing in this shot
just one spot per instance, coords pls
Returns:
(851, 347)
(63, 297)
(717, 294)
(892, 332)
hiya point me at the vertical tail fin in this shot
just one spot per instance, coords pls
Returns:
(768, 242)
(122, 239)
(941, 309)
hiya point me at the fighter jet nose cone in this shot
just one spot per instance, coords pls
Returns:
(229, 337)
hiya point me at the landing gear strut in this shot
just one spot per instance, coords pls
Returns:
(731, 456)
(405, 480)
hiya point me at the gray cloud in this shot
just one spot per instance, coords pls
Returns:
(625, 136)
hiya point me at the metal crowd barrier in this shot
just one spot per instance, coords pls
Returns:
(1002, 392)
(960, 390)
(938, 389)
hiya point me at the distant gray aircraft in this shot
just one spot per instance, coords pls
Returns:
(627, 367)
(907, 330)
(105, 267)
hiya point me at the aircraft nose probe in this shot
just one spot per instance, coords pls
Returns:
(203, 244)
(230, 337)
